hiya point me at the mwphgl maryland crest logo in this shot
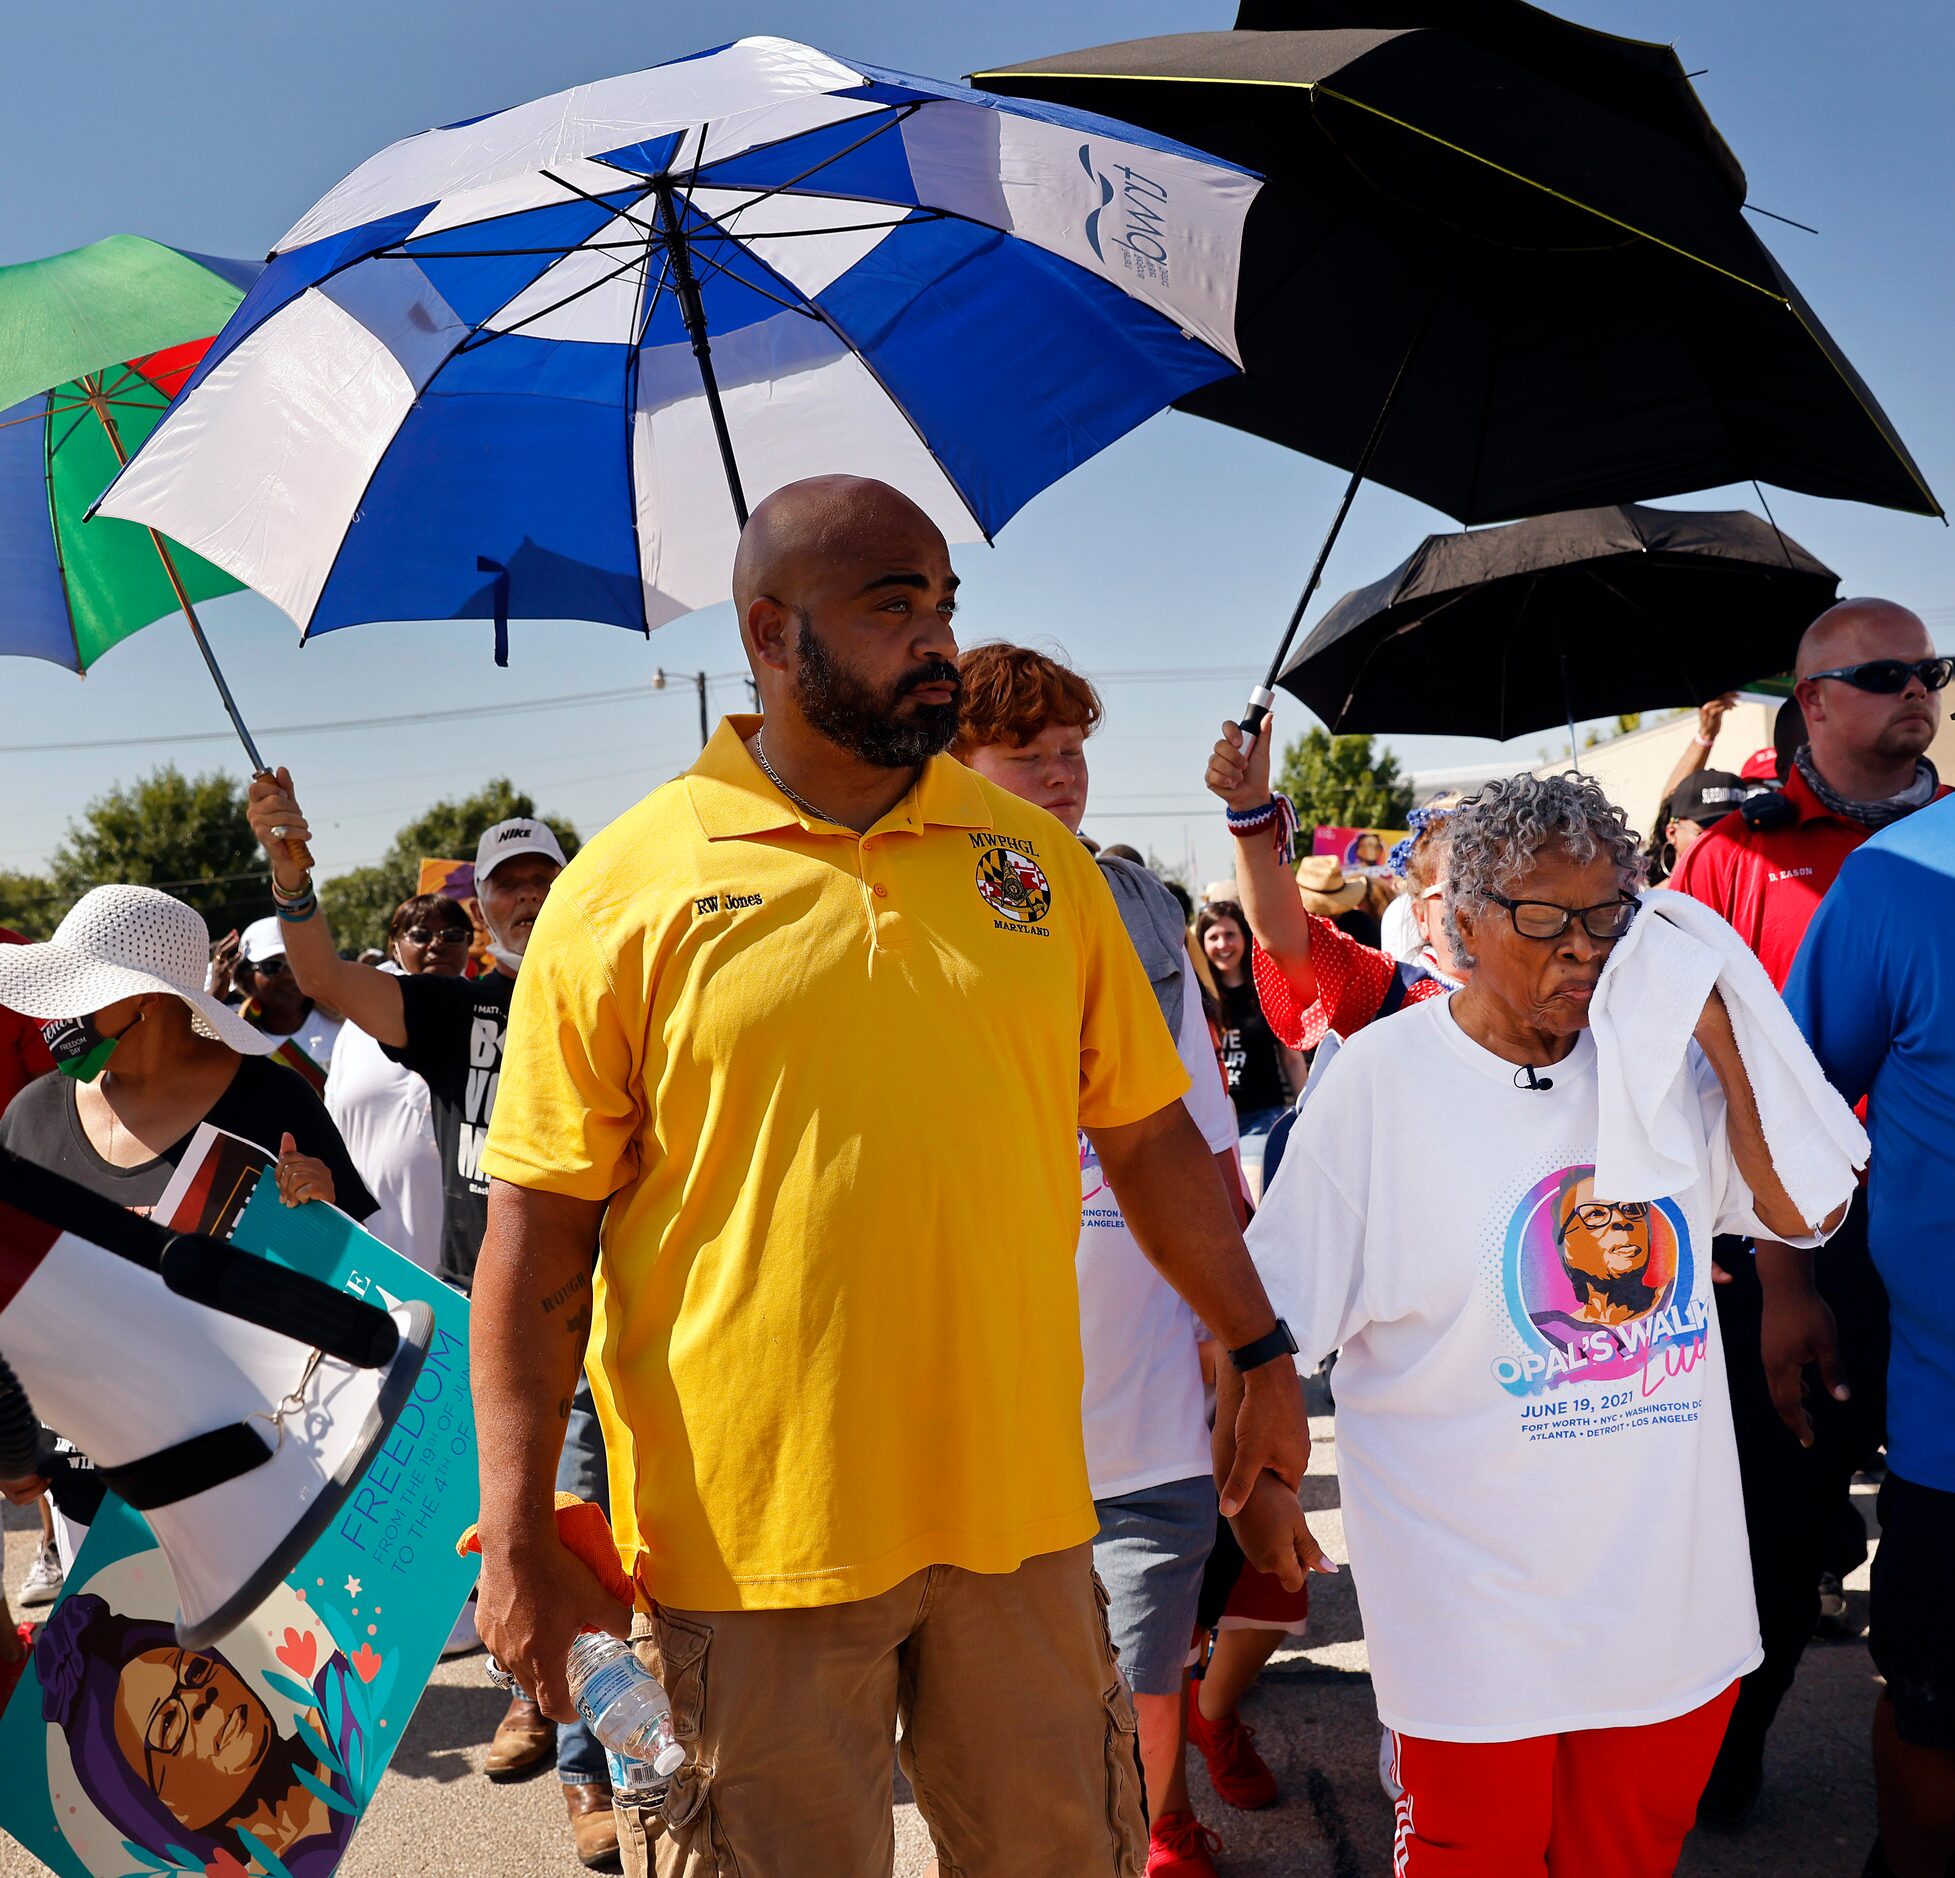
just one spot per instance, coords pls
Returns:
(1014, 886)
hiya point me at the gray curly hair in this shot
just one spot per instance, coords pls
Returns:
(1494, 835)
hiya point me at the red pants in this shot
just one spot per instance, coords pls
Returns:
(1598, 1803)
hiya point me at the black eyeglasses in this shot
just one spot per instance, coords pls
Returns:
(272, 966)
(1888, 676)
(1542, 919)
(436, 936)
(169, 1723)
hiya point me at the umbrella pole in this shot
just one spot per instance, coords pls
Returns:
(1568, 705)
(1264, 694)
(300, 852)
(693, 311)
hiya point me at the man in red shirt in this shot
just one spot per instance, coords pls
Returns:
(1861, 768)
(1870, 685)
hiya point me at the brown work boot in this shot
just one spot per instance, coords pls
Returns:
(593, 1825)
(524, 1739)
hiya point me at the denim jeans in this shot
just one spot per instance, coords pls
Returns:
(580, 1756)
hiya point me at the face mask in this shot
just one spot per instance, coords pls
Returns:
(78, 1048)
(508, 960)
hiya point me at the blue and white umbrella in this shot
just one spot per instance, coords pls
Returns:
(516, 366)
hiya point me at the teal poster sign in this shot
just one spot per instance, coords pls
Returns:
(127, 1756)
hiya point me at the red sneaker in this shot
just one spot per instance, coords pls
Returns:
(1235, 1770)
(11, 1673)
(1180, 1846)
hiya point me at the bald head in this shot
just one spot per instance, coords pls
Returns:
(801, 534)
(1865, 743)
(1857, 630)
(846, 596)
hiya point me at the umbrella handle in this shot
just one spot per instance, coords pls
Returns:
(1255, 716)
(298, 850)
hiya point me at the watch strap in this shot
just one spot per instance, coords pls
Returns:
(1266, 1348)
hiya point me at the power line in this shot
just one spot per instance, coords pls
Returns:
(526, 707)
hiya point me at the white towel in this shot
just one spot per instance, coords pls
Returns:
(1644, 1012)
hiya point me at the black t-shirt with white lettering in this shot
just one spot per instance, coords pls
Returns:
(1250, 1065)
(455, 1028)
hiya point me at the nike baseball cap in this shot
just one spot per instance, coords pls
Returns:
(518, 836)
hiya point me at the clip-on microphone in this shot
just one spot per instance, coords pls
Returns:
(1542, 1083)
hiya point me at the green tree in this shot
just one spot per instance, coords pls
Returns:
(28, 903)
(185, 834)
(1342, 782)
(362, 902)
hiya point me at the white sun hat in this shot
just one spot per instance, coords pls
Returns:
(120, 942)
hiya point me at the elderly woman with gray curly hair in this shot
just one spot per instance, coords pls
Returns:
(1539, 1481)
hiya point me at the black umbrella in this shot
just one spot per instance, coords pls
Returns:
(1501, 263)
(1500, 631)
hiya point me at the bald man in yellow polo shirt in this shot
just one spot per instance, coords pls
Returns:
(787, 1128)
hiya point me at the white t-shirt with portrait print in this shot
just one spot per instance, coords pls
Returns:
(1535, 1456)
(1143, 1406)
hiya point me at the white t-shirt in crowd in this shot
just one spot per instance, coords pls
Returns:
(317, 1035)
(382, 1111)
(1535, 1457)
(1399, 932)
(1143, 1406)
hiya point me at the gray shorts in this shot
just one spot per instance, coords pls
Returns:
(1150, 1553)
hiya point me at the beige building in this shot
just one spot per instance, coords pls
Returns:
(1634, 768)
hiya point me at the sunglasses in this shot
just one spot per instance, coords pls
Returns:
(1542, 919)
(1887, 676)
(436, 936)
(270, 967)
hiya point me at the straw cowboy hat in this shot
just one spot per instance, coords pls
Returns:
(120, 942)
(1326, 888)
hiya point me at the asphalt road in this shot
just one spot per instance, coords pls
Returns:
(435, 1814)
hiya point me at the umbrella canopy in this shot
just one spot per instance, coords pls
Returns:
(1523, 237)
(500, 369)
(1500, 631)
(102, 335)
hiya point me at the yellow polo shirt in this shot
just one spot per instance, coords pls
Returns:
(831, 1084)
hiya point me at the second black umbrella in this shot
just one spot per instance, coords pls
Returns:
(1590, 613)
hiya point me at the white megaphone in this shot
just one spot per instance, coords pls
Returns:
(235, 1404)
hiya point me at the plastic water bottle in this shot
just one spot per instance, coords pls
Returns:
(626, 1709)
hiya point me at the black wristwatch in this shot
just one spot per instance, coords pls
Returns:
(1266, 1349)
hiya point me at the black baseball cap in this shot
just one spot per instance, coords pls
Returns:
(1708, 795)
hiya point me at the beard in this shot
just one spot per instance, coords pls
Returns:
(875, 726)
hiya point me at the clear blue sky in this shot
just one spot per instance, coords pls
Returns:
(1179, 551)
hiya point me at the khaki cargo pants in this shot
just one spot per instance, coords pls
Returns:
(1018, 1732)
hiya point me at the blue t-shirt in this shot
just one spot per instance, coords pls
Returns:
(1873, 987)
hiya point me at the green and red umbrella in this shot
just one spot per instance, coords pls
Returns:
(93, 345)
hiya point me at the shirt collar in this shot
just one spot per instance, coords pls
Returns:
(1799, 793)
(733, 798)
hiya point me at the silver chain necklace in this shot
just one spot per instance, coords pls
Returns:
(800, 802)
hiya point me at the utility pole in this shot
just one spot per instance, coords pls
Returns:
(659, 682)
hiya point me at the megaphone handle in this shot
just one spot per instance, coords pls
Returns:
(1256, 716)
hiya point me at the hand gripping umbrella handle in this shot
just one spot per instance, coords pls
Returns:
(1255, 716)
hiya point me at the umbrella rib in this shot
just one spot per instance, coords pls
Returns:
(740, 280)
(60, 556)
(821, 313)
(483, 334)
(1575, 202)
(890, 121)
(61, 410)
(623, 215)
